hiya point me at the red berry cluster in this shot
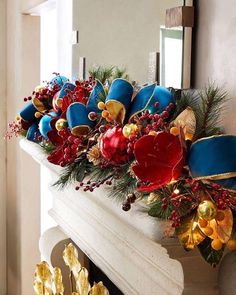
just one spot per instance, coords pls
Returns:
(69, 148)
(15, 129)
(92, 185)
(155, 122)
(81, 91)
(46, 94)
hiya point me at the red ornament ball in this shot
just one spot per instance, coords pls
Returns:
(114, 146)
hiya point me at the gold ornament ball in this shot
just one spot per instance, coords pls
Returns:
(207, 210)
(216, 244)
(61, 124)
(231, 245)
(58, 102)
(129, 129)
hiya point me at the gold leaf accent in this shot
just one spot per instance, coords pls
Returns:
(99, 289)
(82, 282)
(70, 256)
(222, 229)
(43, 273)
(38, 287)
(189, 232)
(58, 281)
(186, 121)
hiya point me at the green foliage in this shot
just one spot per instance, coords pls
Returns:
(76, 171)
(211, 256)
(47, 146)
(208, 106)
(211, 107)
(123, 185)
(108, 73)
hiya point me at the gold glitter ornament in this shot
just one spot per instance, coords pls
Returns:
(207, 210)
(61, 124)
(129, 129)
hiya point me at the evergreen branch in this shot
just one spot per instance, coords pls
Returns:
(47, 147)
(209, 115)
(76, 171)
(101, 73)
(123, 185)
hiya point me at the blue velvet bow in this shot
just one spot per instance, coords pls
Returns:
(214, 158)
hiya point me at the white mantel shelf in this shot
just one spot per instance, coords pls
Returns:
(128, 246)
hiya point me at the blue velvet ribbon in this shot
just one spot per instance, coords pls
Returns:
(63, 92)
(119, 104)
(78, 121)
(33, 133)
(45, 123)
(214, 158)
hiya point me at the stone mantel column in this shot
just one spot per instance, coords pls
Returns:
(127, 246)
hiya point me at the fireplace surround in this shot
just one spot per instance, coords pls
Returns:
(130, 249)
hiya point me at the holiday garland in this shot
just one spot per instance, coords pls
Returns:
(151, 143)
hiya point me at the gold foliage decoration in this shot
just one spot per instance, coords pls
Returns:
(46, 283)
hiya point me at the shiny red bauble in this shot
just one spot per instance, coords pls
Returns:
(114, 146)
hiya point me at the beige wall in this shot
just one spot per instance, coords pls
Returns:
(215, 48)
(23, 202)
(2, 148)
(120, 32)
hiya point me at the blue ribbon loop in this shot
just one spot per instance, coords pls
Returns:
(214, 158)
(28, 112)
(45, 123)
(78, 121)
(119, 99)
(98, 94)
(33, 133)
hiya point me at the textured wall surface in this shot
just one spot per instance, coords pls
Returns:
(23, 202)
(215, 47)
(2, 147)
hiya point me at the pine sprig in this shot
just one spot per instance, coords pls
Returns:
(108, 73)
(209, 114)
(76, 171)
(122, 187)
(47, 147)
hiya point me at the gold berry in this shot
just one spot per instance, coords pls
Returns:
(208, 231)
(216, 244)
(231, 245)
(203, 223)
(101, 106)
(105, 114)
(174, 131)
(37, 115)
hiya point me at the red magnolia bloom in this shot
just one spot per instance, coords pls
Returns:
(159, 160)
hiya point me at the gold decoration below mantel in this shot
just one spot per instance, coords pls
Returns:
(51, 283)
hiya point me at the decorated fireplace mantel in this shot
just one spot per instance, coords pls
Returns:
(127, 246)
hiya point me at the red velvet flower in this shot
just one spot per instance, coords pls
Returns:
(114, 146)
(159, 160)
